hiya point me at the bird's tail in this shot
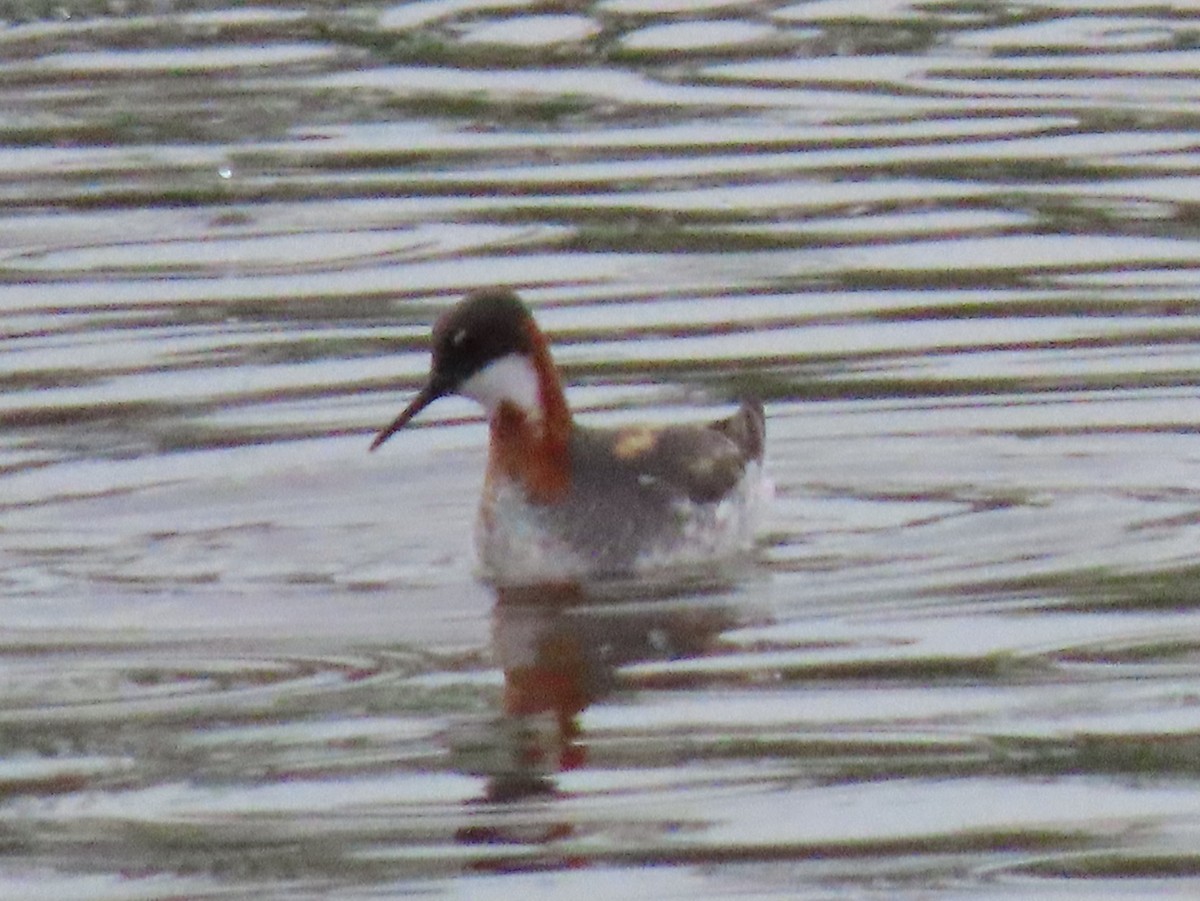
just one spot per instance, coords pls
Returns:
(747, 428)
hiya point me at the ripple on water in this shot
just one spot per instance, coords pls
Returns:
(953, 248)
(706, 37)
(532, 31)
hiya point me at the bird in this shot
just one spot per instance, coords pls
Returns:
(566, 503)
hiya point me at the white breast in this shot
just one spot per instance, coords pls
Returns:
(516, 547)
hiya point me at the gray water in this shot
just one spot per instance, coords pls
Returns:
(954, 247)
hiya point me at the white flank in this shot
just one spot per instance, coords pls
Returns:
(517, 546)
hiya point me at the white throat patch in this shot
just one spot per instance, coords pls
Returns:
(511, 378)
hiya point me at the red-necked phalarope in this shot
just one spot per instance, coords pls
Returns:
(564, 502)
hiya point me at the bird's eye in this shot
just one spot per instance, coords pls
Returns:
(459, 339)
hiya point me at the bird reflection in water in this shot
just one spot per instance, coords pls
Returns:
(561, 651)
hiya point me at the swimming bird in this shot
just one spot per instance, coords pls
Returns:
(563, 502)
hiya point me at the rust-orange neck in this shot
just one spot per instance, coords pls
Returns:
(534, 452)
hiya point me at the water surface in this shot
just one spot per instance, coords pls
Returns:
(953, 247)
